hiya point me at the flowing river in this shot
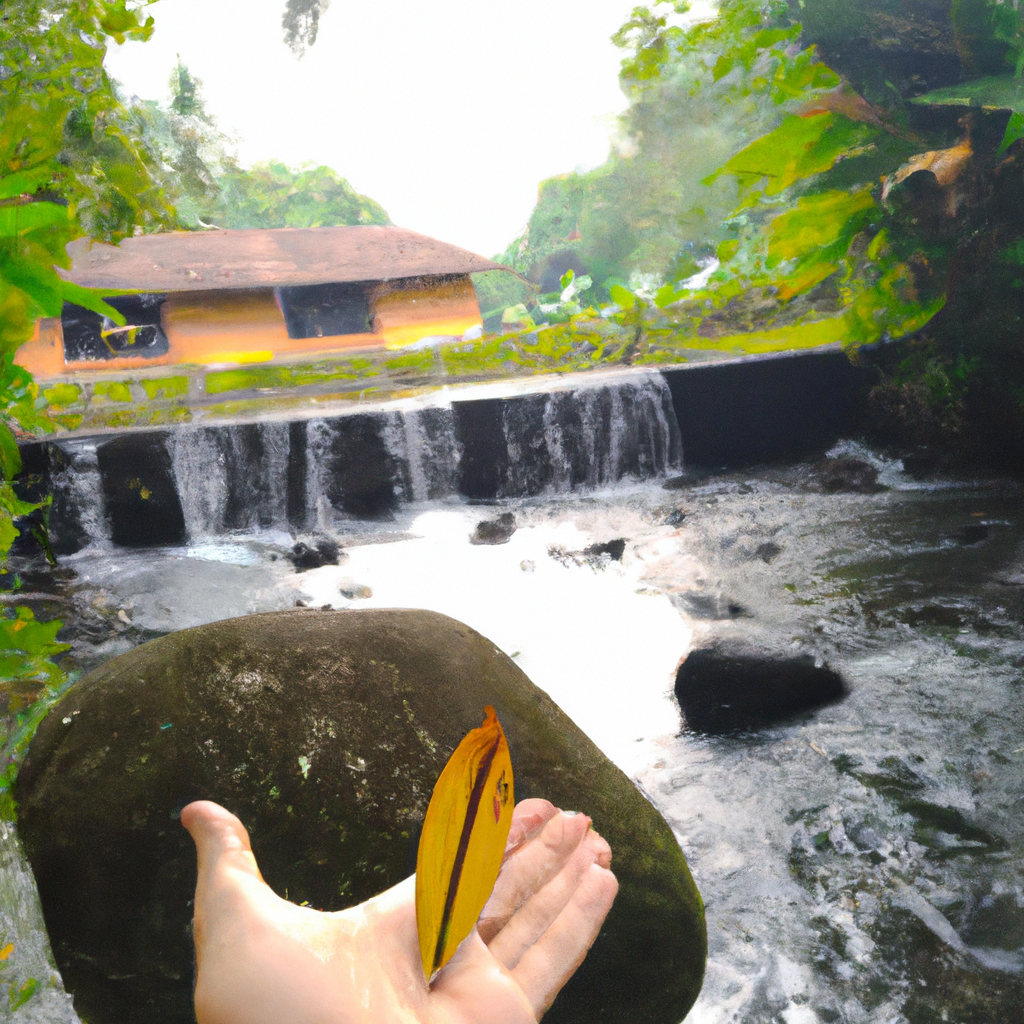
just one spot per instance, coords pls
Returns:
(862, 863)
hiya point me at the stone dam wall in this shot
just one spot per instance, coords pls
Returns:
(169, 486)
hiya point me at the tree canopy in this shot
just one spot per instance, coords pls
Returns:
(208, 187)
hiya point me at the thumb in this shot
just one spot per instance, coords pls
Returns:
(225, 858)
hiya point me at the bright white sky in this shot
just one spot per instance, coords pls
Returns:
(448, 113)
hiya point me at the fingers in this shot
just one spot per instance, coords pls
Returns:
(532, 864)
(542, 908)
(528, 818)
(551, 962)
(228, 882)
(221, 840)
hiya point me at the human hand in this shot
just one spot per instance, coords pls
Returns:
(263, 960)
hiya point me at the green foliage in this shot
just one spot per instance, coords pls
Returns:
(26, 646)
(33, 683)
(208, 188)
(801, 147)
(999, 92)
(65, 131)
(72, 162)
(806, 256)
(189, 147)
(497, 290)
(271, 195)
(989, 34)
(820, 241)
(751, 42)
(696, 93)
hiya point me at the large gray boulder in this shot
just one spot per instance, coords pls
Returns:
(324, 731)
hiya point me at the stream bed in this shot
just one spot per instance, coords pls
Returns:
(861, 863)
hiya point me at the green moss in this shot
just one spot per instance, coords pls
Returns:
(69, 421)
(165, 387)
(162, 417)
(421, 359)
(114, 390)
(269, 377)
(120, 418)
(62, 395)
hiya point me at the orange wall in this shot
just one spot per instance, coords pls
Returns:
(43, 356)
(408, 310)
(248, 327)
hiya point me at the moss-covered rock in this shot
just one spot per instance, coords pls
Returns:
(324, 732)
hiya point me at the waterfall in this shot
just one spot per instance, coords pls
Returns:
(232, 478)
(424, 446)
(200, 478)
(317, 513)
(192, 482)
(78, 516)
(593, 436)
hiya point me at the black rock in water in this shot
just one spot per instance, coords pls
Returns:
(973, 533)
(846, 475)
(613, 548)
(494, 531)
(312, 556)
(723, 688)
(324, 731)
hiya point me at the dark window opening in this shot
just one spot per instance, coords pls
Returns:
(87, 335)
(325, 310)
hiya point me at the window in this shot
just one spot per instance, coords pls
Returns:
(325, 310)
(87, 335)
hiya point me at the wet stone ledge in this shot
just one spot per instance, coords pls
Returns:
(143, 488)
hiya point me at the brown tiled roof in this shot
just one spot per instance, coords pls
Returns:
(262, 258)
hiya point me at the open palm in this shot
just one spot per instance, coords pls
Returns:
(263, 960)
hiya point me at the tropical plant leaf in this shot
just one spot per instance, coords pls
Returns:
(801, 147)
(463, 841)
(997, 92)
(818, 222)
(1014, 130)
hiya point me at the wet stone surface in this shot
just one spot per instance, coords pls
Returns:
(324, 731)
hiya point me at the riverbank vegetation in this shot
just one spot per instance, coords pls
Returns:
(850, 170)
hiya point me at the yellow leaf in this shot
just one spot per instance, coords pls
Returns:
(463, 841)
(6, 951)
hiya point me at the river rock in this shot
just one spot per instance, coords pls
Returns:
(319, 552)
(494, 531)
(724, 687)
(848, 476)
(324, 731)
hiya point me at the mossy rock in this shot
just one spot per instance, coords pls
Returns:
(324, 731)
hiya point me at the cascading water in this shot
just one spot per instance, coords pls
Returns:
(423, 444)
(78, 513)
(200, 474)
(309, 475)
(589, 438)
(231, 478)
